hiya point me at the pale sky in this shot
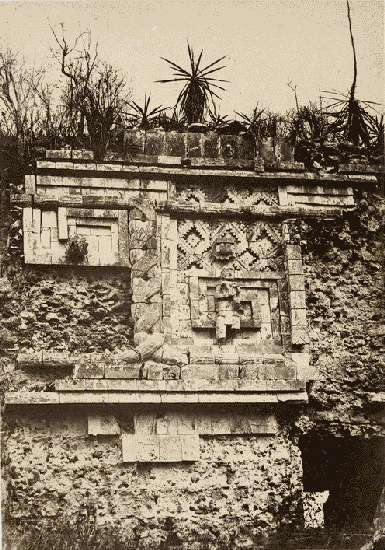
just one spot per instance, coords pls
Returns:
(267, 43)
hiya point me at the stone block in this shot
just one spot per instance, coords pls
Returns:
(190, 450)
(30, 184)
(152, 370)
(294, 267)
(148, 449)
(129, 448)
(299, 335)
(251, 372)
(145, 424)
(208, 371)
(145, 289)
(82, 154)
(285, 373)
(149, 344)
(228, 372)
(293, 252)
(154, 142)
(226, 358)
(88, 366)
(202, 354)
(298, 299)
(305, 371)
(174, 144)
(186, 424)
(142, 261)
(130, 371)
(229, 147)
(171, 372)
(140, 232)
(170, 448)
(203, 424)
(296, 282)
(267, 372)
(145, 316)
(57, 360)
(125, 357)
(298, 317)
(263, 424)
(246, 148)
(267, 151)
(211, 145)
(27, 360)
(194, 145)
(102, 425)
(174, 356)
(167, 424)
(221, 425)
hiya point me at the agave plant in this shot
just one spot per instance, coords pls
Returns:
(216, 119)
(308, 122)
(143, 117)
(262, 124)
(198, 90)
(351, 121)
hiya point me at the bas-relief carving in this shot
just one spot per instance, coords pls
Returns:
(236, 245)
(231, 195)
(235, 307)
(234, 270)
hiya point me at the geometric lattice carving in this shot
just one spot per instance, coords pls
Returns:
(253, 197)
(228, 303)
(245, 196)
(256, 246)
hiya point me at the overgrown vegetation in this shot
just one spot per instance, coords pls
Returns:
(93, 107)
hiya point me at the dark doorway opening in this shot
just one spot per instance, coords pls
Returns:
(353, 471)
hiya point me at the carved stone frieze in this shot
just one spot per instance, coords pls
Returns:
(232, 195)
(232, 244)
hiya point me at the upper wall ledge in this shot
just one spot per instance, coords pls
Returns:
(197, 151)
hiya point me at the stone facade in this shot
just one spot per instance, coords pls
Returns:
(163, 347)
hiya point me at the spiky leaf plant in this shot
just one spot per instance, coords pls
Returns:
(352, 122)
(198, 90)
(143, 117)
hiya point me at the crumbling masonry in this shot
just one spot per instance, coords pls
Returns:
(193, 337)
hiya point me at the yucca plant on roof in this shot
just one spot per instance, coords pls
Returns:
(143, 117)
(198, 90)
(352, 122)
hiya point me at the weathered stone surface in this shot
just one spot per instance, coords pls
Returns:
(171, 372)
(152, 370)
(144, 290)
(127, 371)
(142, 261)
(228, 372)
(146, 316)
(150, 344)
(140, 232)
(305, 371)
(31, 398)
(88, 366)
(208, 371)
(102, 425)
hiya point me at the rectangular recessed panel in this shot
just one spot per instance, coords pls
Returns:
(48, 233)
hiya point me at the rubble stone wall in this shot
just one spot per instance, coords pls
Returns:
(101, 340)
(240, 489)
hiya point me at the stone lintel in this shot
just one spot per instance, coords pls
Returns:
(180, 386)
(99, 397)
(31, 398)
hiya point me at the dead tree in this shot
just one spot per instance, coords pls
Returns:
(95, 96)
(20, 105)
